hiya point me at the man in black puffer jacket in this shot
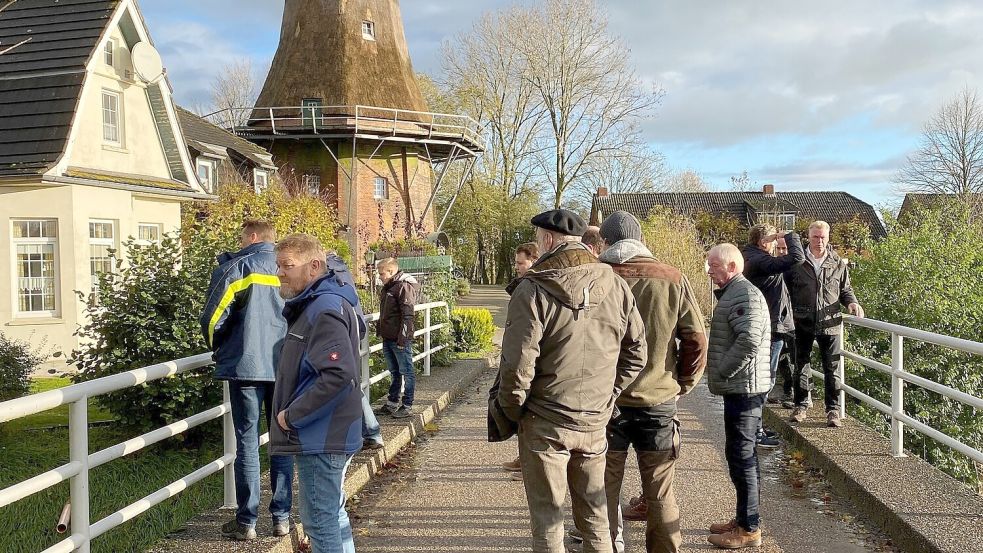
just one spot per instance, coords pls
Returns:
(764, 270)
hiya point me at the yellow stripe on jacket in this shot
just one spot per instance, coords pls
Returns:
(230, 295)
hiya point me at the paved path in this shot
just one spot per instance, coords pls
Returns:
(450, 495)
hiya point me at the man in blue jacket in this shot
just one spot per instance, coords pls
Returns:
(243, 324)
(317, 398)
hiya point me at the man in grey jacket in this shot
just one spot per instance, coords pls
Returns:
(739, 369)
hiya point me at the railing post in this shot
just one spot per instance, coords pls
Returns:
(841, 371)
(364, 346)
(426, 342)
(897, 395)
(229, 447)
(78, 452)
(272, 121)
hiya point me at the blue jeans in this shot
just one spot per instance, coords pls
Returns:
(370, 424)
(742, 415)
(322, 502)
(247, 399)
(400, 363)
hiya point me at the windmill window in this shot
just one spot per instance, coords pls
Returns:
(368, 30)
(381, 191)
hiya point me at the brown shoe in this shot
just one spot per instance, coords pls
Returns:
(723, 527)
(512, 466)
(833, 419)
(798, 414)
(638, 511)
(738, 538)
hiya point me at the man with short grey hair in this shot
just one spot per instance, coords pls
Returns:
(573, 341)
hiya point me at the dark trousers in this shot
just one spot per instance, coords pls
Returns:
(785, 365)
(829, 354)
(654, 433)
(742, 415)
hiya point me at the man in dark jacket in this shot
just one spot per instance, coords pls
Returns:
(739, 369)
(396, 313)
(573, 341)
(818, 289)
(766, 271)
(317, 400)
(677, 348)
(243, 324)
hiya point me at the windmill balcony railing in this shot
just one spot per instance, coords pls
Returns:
(900, 378)
(317, 119)
(81, 462)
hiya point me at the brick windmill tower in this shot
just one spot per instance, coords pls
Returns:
(341, 110)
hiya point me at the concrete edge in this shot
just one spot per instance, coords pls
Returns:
(878, 509)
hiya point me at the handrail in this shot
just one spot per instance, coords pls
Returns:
(900, 377)
(76, 396)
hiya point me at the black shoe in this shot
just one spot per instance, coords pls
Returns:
(236, 531)
(386, 409)
(767, 442)
(403, 412)
(371, 444)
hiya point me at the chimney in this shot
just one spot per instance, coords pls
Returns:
(602, 192)
(769, 190)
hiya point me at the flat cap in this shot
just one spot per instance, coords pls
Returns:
(562, 221)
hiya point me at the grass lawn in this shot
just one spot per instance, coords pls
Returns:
(25, 451)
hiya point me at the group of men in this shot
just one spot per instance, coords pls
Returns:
(285, 324)
(602, 339)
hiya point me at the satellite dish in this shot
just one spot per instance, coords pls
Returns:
(146, 62)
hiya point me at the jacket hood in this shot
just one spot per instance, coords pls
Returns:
(329, 283)
(250, 249)
(404, 277)
(623, 250)
(570, 273)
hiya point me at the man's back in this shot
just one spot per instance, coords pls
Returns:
(572, 340)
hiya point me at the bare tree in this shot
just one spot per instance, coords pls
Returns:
(686, 180)
(949, 159)
(742, 182)
(586, 84)
(635, 168)
(234, 90)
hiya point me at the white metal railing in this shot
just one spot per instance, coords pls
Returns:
(317, 119)
(900, 377)
(77, 396)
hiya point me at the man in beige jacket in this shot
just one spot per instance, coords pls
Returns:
(573, 341)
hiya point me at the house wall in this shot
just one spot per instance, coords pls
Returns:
(73, 206)
(141, 152)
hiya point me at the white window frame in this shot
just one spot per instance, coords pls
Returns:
(103, 241)
(109, 53)
(118, 97)
(258, 175)
(382, 182)
(158, 228)
(311, 184)
(211, 166)
(31, 241)
(785, 221)
(368, 29)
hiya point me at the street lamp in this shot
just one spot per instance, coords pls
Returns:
(370, 269)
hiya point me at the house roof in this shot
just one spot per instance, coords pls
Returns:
(833, 207)
(41, 79)
(913, 199)
(204, 137)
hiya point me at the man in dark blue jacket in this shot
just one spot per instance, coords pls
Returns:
(317, 399)
(243, 324)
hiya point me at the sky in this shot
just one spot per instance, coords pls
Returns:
(808, 96)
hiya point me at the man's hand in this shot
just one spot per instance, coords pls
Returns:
(281, 419)
(855, 309)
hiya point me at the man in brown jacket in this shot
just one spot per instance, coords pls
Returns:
(677, 356)
(573, 341)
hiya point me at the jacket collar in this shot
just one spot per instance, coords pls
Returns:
(564, 256)
(328, 283)
(623, 250)
(248, 250)
(719, 292)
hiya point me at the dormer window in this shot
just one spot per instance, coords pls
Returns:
(368, 30)
(109, 53)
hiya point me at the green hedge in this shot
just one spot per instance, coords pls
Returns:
(17, 361)
(473, 329)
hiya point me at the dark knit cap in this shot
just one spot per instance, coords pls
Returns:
(620, 225)
(562, 221)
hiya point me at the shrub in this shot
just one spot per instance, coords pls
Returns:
(463, 287)
(18, 360)
(473, 329)
(674, 239)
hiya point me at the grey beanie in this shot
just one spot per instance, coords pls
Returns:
(620, 225)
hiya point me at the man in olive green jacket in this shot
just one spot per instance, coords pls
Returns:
(677, 354)
(573, 341)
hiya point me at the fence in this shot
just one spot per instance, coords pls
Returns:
(900, 377)
(77, 396)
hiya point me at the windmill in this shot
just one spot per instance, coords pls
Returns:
(341, 108)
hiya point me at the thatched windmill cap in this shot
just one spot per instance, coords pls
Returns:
(344, 52)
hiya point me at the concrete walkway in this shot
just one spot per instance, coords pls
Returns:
(451, 495)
